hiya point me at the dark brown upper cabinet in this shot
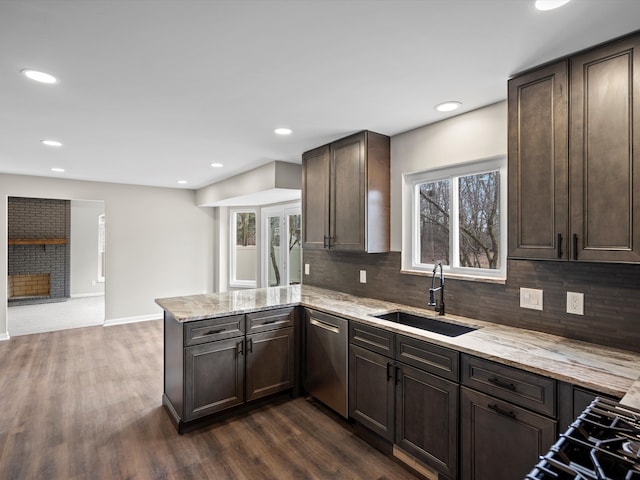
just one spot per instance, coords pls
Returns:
(345, 194)
(604, 153)
(538, 163)
(572, 167)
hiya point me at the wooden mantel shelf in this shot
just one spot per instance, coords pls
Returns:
(37, 241)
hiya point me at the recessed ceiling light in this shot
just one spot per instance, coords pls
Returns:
(57, 170)
(41, 77)
(51, 143)
(550, 4)
(182, 182)
(283, 131)
(448, 106)
(216, 165)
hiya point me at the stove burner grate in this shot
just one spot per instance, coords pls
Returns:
(601, 444)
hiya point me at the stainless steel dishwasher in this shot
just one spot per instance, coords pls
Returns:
(326, 377)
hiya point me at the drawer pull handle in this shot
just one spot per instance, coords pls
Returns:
(397, 374)
(388, 371)
(501, 411)
(250, 345)
(214, 332)
(267, 322)
(499, 383)
(239, 347)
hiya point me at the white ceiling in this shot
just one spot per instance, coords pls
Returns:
(151, 92)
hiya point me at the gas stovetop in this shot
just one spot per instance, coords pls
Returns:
(603, 443)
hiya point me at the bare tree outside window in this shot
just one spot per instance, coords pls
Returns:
(478, 221)
(434, 222)
(245, 229)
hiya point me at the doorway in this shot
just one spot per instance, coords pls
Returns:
(62, 241)
(282, 248)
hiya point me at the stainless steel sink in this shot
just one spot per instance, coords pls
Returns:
(431, 324)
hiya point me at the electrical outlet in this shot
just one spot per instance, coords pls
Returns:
(531, 298)
(306, 269)
(363, 276)
(575, 303)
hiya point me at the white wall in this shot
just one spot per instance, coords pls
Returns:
(159, 243)
(84, 247)
(464, 138)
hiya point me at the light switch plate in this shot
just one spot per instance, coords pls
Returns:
(363, 276)
(531, 298)
(575, 303)
(306, 269)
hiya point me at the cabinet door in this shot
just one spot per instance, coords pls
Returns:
(214, 377)
(427, 418)
(348, 190)
(371, 390)
(538, 163)
(315, 198)
(270, 363)
(605, 170)
(498, 440)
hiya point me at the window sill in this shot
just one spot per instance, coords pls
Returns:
(457, 276)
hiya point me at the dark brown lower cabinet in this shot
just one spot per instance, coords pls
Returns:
(214, 377)
(415, 410)
(216, 364)
(500, 441)
(270, 363)
(371, 391)
(427, 418)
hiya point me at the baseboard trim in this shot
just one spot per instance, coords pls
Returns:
(122, 321)
(84, 295)
(4, 336)
(414, 464)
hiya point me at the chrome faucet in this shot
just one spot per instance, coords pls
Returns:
(439, 306)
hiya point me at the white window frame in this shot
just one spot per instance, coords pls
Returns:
(101, 247)
(411, 219)
(233, 281)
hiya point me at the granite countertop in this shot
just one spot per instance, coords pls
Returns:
(608, 370)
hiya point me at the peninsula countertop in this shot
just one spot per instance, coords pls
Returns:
(604, 369)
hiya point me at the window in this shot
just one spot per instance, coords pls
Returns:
(456, 215)
(243, 248)
(101, 248)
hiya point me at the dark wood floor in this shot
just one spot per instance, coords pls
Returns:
(85, 404)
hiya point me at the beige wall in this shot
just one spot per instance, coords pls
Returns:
(159, 243)
(471, 136)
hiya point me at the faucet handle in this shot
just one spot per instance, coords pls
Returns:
(432, 298)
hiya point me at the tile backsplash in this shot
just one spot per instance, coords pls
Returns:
(611, 293)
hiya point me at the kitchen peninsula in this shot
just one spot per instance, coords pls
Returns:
(606, 370)
(250, 344)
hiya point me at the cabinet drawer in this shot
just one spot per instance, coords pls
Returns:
(428, 357)
(203, 331)
(521, 388)
(270, 320)
(372, 338)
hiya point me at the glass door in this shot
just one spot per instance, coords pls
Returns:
(294, 234)
(282, 254)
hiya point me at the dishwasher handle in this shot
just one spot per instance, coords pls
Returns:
(324, 325)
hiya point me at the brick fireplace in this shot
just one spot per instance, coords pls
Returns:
(38, 251)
